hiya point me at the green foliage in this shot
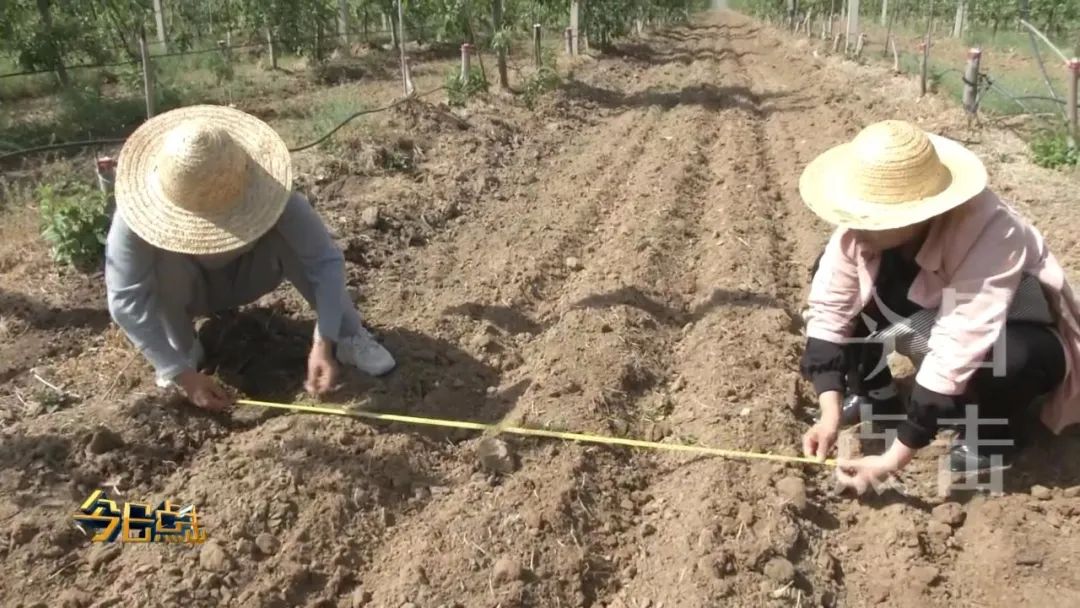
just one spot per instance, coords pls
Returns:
(543, 80)
(1051, 149)
(459, 90)
(75, 223)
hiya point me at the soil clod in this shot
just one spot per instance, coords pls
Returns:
(267, 543)
(371, 217)
(949, 513)
(793, 491)
(780, 570)
(104, 440)
(506, 570)
(495, 456)
(1040, 492)
(214, 558)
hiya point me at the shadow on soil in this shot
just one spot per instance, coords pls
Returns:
(41, 316)
(707, 96)
(662, 313)
(264, 356)
(643, 52)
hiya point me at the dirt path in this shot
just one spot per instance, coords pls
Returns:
(629, 260)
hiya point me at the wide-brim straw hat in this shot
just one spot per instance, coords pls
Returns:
(203, 180)
(892, 175)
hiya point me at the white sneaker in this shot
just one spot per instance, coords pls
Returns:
(195, 358)
(364, 353)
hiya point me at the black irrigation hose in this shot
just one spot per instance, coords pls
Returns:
(61, 146)
(93, 142)
(361, 113)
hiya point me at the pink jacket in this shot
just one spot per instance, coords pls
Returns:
(971, 263)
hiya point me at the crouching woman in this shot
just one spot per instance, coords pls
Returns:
(927, 261)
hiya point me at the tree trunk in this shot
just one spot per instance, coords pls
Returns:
(961, 15)
(888, 32)
(343, 24)
(395, 43)
(45, 11)
(884, 13)
(926, 51)
(497, 25)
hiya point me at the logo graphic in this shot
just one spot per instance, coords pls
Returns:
(131, 522)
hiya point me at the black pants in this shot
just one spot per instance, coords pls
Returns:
(1034, 365)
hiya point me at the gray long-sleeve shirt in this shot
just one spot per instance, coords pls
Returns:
(308, 255)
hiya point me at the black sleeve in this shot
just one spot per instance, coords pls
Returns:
(923, 410)
(823, 364)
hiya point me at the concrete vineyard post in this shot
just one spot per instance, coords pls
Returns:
(105, 167)
(971, 80)
(569, 35)
(536, 45)
(859, 45)
(895, 55)
(148, 74)
(836, 42)
(1074, 83)
(575, 27)
(226, 53)
(884, 12)
(466, 61)
(159, 21)
(852, 24)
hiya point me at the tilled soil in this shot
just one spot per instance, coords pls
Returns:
(629, 259)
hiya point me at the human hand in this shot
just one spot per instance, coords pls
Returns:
(820, 439)
(204, 391)
(862, 474)
(322, 369)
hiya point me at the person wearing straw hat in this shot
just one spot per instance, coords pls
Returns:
(207, 221)
(927, 261)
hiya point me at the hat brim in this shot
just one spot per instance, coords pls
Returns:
(157, 220)
(821, 187)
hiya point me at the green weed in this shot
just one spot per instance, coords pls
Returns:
(1051, 149)
(75, 223)
(459, 90)
(543, 80)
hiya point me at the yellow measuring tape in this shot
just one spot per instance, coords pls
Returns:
(516, 430)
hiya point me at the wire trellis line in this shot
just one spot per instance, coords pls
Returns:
(218, 49)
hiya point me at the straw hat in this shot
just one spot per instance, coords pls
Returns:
(891, 175)
(203, 180)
